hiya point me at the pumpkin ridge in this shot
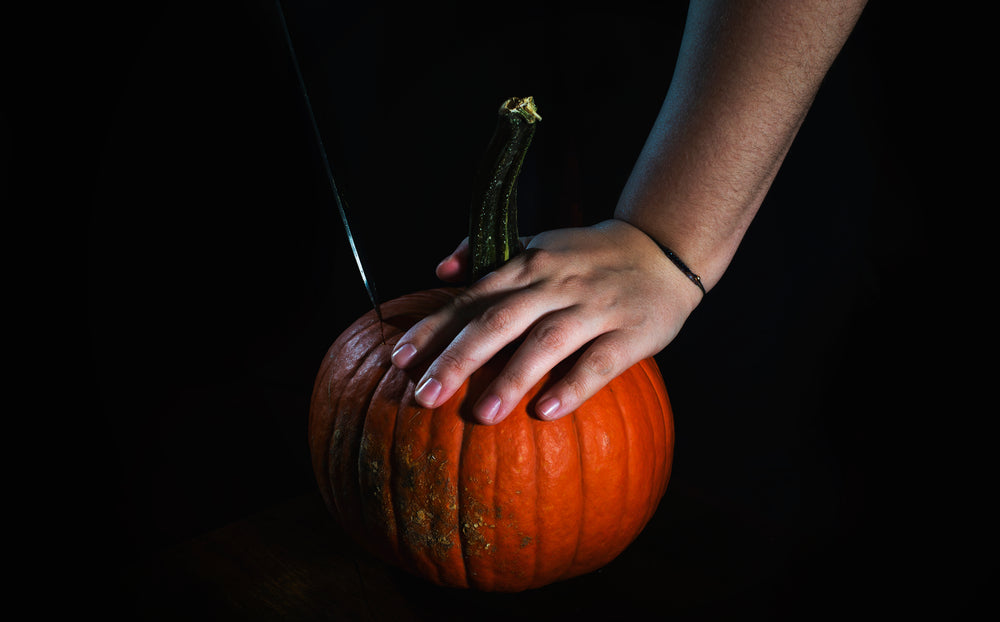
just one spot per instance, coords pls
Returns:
(662, 470)
(515, 499)
(462, 536)
(449, 502)
(402, 478)
(649, 468)
(329, 409)
(495, 437)
(538, 533)
(380, 466)
(663, 402)
(399, 541)
(338, 425)
(323, 395)
(481, 513)
(351, 343)
(583, 492)
(627, 429)
(660, 437)
(637, 383)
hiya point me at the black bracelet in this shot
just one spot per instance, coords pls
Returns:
(683, 266)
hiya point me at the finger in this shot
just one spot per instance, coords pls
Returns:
(499, 323)
(434, 332)
(455, 267)
(550, 341)
(599, 364)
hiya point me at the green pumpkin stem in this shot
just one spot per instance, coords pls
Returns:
(493, 235)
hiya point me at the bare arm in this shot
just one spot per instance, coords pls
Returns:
(745, 77)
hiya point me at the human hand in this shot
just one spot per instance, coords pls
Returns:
(607, 291)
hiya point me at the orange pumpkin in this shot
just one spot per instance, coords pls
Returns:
(508, 507)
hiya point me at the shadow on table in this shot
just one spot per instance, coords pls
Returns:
(290, 562)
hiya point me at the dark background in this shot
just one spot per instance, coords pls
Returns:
(829, 453)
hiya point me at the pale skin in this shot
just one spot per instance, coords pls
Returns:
(746, 75)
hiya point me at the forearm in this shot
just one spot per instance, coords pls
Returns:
(746, 75)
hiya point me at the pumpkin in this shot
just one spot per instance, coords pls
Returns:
(508, 507)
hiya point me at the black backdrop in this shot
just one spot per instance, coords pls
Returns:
(821, 421)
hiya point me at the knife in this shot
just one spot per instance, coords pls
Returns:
(369, 287)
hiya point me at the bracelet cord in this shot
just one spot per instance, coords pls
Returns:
(681, 266)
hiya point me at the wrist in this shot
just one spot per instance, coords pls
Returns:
(674, 257)
(683, 281)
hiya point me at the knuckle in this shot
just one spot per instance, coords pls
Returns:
(574, 281)
(536, 261)
(597, 366)
(421, 332)
(463, 300)
(601, 361)
(497, 319)
(450, 362)
(515, 380)
(551, 336)
(577, 387)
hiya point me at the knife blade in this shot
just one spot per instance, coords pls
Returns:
(328, 171)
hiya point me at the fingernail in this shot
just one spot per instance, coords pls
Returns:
(428, 392)
(488, 408)
(548, 407)
(403, 355)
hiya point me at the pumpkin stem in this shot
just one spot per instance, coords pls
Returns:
(493, 236)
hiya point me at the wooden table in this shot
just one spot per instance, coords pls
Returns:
(290, 562)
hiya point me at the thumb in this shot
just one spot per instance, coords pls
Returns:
(455, 267)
